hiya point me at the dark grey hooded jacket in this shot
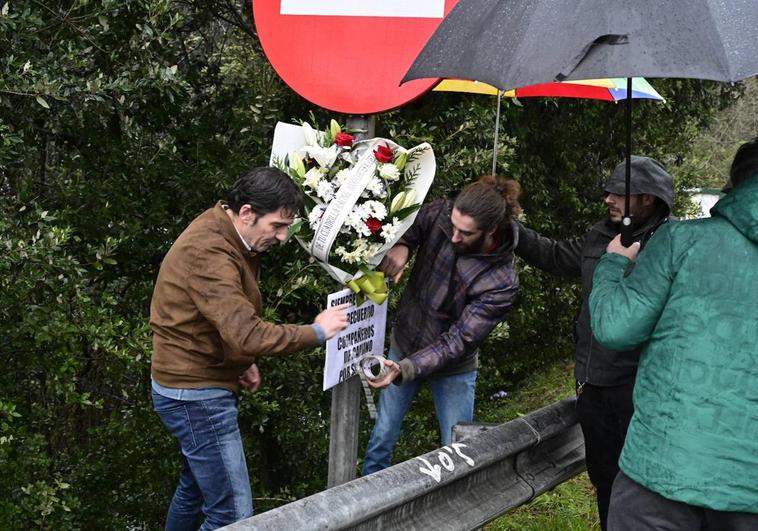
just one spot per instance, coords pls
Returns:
(578, 257)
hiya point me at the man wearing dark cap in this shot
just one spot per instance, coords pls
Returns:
(604, 378)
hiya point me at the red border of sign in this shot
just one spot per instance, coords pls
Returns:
(351, 65)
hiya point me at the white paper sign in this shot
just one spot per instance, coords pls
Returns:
(364, 336)
(365, 8)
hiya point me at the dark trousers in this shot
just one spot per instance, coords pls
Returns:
(635, 508)
(604, 414)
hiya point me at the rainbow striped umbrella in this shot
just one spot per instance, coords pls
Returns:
(611, 89)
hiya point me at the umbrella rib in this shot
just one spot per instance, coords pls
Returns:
(726, 71)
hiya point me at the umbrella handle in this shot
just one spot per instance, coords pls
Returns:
(497, 130)
(626, 222)
(626, 231)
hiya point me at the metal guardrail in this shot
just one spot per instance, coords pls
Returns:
(462, 486)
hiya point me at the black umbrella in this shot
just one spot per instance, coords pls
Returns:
(513, 43)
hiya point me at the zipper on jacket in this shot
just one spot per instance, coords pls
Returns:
(589, 359)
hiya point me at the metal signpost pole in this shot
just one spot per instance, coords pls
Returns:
(346, 396)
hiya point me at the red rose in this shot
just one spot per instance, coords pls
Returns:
(383, 154)
(344, 139)
(374, 225)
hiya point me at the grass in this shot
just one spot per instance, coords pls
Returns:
(568, 507)
(571, 505)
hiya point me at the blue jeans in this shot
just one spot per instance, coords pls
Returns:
(453, 400)
(214, 478)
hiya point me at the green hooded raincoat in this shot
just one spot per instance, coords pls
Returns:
(692, 300)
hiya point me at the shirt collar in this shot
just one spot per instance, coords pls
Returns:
(247, 245)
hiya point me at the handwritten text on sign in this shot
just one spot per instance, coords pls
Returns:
(364, 336)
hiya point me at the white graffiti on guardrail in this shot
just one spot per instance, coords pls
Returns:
(435, 471)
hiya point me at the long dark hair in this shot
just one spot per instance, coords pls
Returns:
(492, 201)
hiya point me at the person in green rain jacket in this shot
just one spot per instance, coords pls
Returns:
(690, 460)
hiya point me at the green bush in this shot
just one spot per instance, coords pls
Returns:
(122, 121)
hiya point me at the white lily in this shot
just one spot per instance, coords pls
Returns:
(334, 128)
(402, 200)
(313, 178)
(324, 157)
(402, 159)
(311, 136)
(296, 164)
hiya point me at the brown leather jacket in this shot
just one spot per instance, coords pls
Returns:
(206, 310)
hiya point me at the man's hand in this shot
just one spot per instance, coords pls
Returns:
(333, 320)
(630, 252)
(394, 372)
(251, 378)
(393, 263)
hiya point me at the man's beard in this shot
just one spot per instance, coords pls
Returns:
(474, 247)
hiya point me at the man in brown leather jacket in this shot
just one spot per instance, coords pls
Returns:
(206, 317)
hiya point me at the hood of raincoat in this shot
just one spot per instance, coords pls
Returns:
(740, 208)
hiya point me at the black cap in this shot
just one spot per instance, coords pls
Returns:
(648, 176)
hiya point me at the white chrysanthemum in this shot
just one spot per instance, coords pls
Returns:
(362, 251)
(390, 230)
(312, 178)
(356, 220)
(341, 176)
(314, 217)
(375, 209)
(375, 188)
(350, 257)
(346, 256)
(325, 190)
(389, 172)
(362, 229)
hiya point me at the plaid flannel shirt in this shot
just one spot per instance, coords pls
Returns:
(451, 302)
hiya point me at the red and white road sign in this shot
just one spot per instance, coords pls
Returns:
(349, 55)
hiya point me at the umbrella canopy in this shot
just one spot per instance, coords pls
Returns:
(599, 89)
(514, 43)
(612, 89)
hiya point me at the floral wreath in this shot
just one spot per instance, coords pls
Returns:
(360, 196)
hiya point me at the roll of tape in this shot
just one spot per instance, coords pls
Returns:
(373, 367)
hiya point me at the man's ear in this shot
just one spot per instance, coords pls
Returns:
(648, 200)
(247, 214)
